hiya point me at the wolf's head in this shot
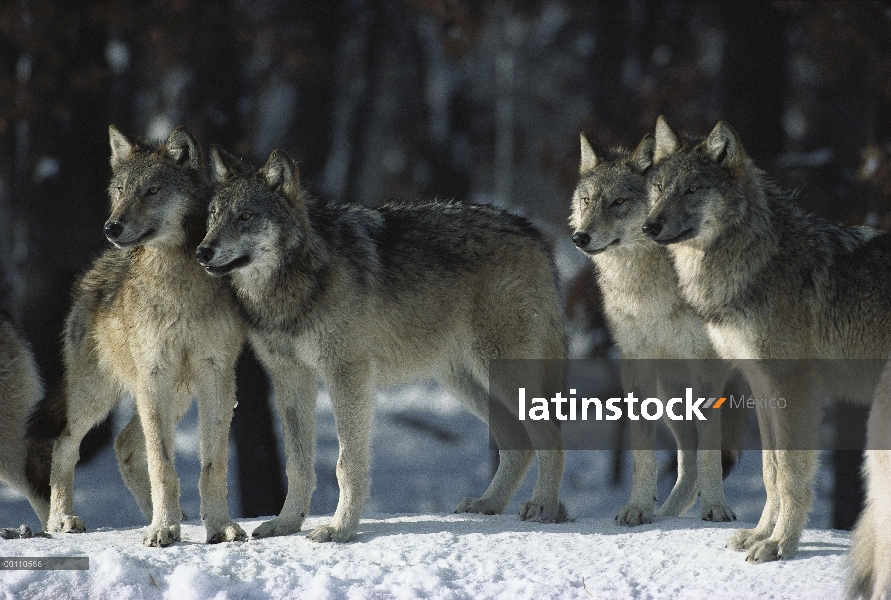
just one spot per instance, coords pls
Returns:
(256, 217)
(695, 183)
(155, 189)
(609, 204)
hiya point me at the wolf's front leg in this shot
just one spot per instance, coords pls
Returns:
(795, 474)
(215, 404)
(710, 472)
(545, 505)
(158, 428)
(639, 509)
(352, 399)
(295, 393)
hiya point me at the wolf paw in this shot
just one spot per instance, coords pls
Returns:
(276, 527)
(329, 533)
(161, 535)
(764, 551)
(480, 506)
(231, 532)
(66, 524)
(743, 539)
(632, 516)
(533, 511)
(717, 512)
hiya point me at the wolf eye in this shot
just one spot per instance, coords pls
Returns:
(586, 200)
(120, 189)
(692, 189)
(153, 190)
(245, 216)
(619, 201)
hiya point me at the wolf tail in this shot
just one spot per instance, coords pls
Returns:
(46, 423)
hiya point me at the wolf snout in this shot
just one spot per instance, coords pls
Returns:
(581, 239)
(653, 227)
(204, 254)
(113, 230)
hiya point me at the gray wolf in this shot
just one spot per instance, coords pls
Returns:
(771, 282)
(147, 322)
(869, 565)
(23, 465)
(363, 297)
(648, 319)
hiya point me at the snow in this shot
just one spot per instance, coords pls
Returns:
(429, 453)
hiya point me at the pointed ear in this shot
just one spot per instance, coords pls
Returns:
(121, 146)
(667, 142)
(182, 149)
(223, 166)
(723, 146)
(642, 157)
(280, 173)
(589, 157)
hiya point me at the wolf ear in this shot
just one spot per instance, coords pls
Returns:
(121, 146)
(723, 146)
(223, 166)
(667, 142)
(182, 148)
(642, 157)
(589, 157)
(280, 173)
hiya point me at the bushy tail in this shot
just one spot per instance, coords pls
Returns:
(46, 423)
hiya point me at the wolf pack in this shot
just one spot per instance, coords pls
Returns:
(699, 255)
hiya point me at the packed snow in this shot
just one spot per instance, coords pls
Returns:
(429, 453)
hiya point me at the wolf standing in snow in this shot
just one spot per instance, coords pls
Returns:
(771, 282)
(24, 464)
(146, 321)
(648, 319)
(364, 297)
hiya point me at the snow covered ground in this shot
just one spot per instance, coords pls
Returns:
(429, 453)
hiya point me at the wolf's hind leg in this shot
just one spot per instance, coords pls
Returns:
(89, 400)
(512, 463)
(129, 447)
(683, 494)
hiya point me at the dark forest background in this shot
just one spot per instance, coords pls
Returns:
(479, 100)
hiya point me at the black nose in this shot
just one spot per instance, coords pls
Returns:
(652, 228)
(113, 229)
(581, 239)
(204, 254)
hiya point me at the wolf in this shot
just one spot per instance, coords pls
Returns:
(771, 281)
(869, 566)
(648, 319)
(147, 322)
(363, 297)
(24, 465)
